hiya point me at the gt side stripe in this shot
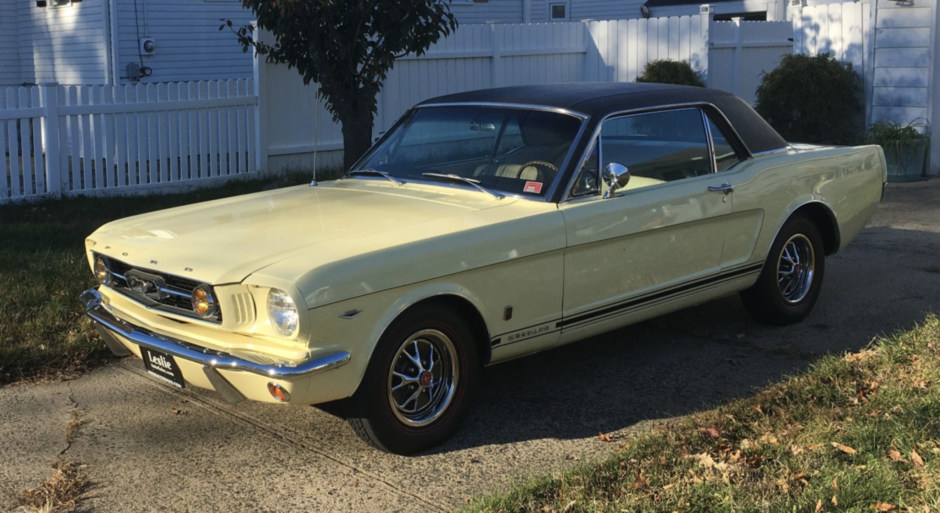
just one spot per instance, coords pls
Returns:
(655, 296)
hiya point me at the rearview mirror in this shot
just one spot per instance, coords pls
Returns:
(617, 176)
(477, 126)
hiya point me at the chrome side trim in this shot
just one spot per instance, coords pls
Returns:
(711, 142)
(105, 316)
(545, 108)
(769, 152)
(673, 106)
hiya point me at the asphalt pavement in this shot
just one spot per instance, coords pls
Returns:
(150, 447)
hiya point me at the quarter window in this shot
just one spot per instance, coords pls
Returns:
(657, 147)
(725, 156)
(587, 181)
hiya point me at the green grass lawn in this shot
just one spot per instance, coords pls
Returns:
(43, 332)
(856, 433)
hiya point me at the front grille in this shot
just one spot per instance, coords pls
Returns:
(178, 289)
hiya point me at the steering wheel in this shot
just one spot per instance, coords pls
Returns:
(537, 163)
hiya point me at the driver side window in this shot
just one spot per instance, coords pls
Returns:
(657, 147)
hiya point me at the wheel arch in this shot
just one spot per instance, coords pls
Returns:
(467, 310)
(456, 299)
(823, 217)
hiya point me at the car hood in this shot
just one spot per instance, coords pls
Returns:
(224, 241)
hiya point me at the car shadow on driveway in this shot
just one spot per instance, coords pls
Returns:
(698, 358)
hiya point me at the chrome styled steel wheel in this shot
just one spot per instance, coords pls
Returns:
(795, 268)
(420, 381)
(789, 284)
(423, 378)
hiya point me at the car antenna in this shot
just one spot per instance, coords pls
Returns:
(316, 142)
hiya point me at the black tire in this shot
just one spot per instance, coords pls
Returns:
(372, 411)
(780, 303)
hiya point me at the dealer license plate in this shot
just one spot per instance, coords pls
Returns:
(162, 365)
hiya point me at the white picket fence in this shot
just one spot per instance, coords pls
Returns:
(103, 140)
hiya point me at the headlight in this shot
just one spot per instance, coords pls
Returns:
(102, 271)
(283, 312)
(204, 303)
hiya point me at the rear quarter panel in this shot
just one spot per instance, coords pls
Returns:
(769, 188)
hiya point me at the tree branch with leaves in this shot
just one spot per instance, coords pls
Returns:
(347, 48)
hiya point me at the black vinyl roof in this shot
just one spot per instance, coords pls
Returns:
(598, 99)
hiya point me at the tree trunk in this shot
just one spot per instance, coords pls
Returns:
(357, 134)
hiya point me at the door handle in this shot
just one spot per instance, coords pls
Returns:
(726, 188)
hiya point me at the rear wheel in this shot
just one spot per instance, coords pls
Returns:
(419, 383)
(791, 280)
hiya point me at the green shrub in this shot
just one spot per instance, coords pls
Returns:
(812, 100)
(670, 72)
(887, 134)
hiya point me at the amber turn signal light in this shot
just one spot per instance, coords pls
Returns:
(278, 392)
(204, 303)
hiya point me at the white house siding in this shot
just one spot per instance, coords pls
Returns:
(579, 10)
(65, 44)
(189, 45)
(935, 100)
(902, 59)
(9, 46)
(775, 9)
(501, 11)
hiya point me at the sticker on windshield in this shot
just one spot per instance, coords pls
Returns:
(533, 187)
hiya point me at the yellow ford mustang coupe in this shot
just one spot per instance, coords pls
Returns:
(483, 226)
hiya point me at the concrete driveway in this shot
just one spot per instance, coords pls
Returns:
(150, 447)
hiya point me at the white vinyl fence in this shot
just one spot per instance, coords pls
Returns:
(729, 55)
(100, 140)
(841, 29)
(740, 52)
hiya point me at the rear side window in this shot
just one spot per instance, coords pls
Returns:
(657, 147)
(725, 156)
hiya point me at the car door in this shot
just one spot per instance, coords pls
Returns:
(743, 226)
(662, 231)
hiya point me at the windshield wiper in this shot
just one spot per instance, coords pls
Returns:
(372, 172)
(468, 181)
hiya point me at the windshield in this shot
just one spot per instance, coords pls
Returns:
(510, 150)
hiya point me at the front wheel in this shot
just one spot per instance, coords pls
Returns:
(419, 383)
(792, 276)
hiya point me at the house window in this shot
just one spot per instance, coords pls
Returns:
(745, 16)
(55, 3)
(558, 12)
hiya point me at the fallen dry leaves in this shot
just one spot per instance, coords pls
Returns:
(916, 459)
(844, 448)
(883, 506)
(895, 455)
(711, 433)
(61, 491)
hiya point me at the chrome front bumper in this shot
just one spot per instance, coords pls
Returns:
(104, 315)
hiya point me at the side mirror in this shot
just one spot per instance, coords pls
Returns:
(617, 176)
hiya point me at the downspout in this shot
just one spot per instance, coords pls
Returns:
(526, 11)
(113, 76)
